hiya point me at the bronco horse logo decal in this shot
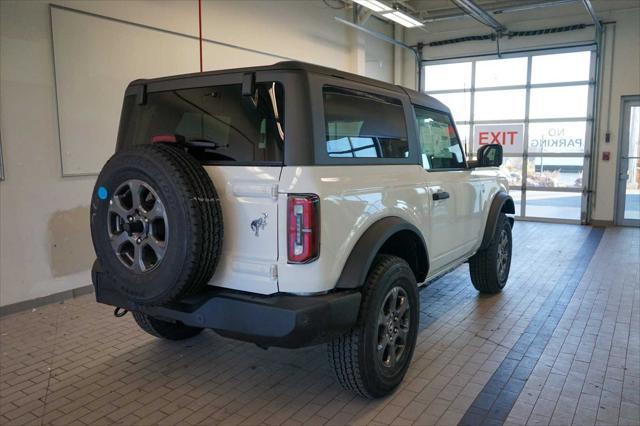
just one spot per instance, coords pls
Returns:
(258, 224)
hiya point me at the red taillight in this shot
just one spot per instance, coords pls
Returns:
(303, 228)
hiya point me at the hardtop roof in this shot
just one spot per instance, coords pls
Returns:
(415, 96)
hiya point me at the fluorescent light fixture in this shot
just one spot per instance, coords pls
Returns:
(402, 19)
(374, 5)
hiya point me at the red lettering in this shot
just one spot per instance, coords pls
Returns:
(483, 138)
(499, 137)
(495, 137)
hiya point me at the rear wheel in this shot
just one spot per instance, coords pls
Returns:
(372, 359)
(165, 329)
(489, 268)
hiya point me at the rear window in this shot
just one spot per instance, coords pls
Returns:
(364, 125)
(216, 123)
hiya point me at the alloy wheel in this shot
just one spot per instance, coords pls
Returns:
(138, 226)
(394, 323)
(503, 254)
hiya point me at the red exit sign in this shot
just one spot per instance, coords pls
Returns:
(510, 136)
(501, 137)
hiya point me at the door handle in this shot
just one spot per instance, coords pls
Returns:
(440, 195)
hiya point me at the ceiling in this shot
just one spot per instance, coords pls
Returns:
(441, 16)
(434, 9)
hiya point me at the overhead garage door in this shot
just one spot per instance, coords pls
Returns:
(539, 107)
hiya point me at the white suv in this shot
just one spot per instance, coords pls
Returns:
(292, 205)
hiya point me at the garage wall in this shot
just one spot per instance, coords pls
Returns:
(625, 80)
(44, 231)
(379, 53)
(625, 71)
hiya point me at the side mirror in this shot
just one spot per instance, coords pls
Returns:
(490, 156)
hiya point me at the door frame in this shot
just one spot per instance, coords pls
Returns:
(623, 148)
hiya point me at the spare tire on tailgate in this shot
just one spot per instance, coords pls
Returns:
(156, 223)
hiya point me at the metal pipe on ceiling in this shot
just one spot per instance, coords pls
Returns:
(587, 5)
(479, 14)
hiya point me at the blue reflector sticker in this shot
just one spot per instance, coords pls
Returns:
(102, 193)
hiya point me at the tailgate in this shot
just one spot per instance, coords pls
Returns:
(249, 198)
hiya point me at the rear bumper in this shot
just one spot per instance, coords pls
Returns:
(276, 320)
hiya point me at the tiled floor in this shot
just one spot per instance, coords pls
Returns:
(560, 345)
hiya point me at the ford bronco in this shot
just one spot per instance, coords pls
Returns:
(292, 205)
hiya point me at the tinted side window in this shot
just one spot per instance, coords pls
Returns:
(364, 125)
(217, 122)
(439, 142)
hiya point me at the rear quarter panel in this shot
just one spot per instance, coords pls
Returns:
(352, 198)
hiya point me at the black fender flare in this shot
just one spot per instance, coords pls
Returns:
(356, 268)
(502, 202)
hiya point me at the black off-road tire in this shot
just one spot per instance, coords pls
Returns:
(353, 355)
(486, 274)
(165, 329)
(194, 222)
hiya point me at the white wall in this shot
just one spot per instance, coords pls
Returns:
(379, 53)
(44, 231)
(625, 75)
(625, 71)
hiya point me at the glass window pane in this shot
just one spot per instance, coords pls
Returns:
(458, 103)
(440, 146)
(632, 187)
(501, 72)
(362, 125)
(555, 172)
(213, 115)
(512, 168)
(556, 68)
(554, 205)
(499, 105)
(566, 137)
(447, 76)
(559, 102)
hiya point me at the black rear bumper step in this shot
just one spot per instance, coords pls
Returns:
(281, 320)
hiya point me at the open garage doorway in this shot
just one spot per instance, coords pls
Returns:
(538, 105)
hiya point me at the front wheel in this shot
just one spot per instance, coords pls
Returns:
(490, 267)
(372, 359)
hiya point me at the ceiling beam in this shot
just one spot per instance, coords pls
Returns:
(479, 14)
(594, 17)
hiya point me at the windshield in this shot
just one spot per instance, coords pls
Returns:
(216, 123)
